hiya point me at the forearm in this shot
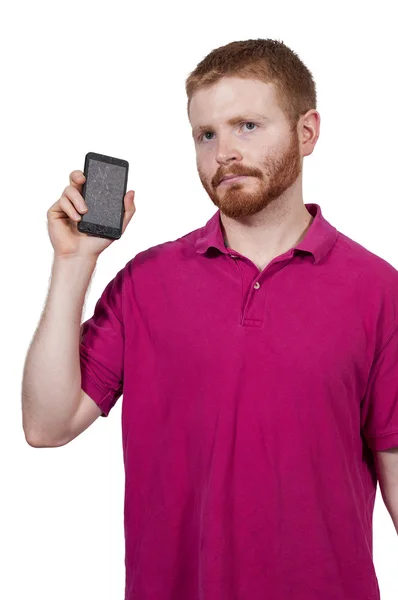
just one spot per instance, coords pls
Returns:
(392, 507)
(389, 493)
(52, 379)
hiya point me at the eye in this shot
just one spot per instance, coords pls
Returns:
(244, 123)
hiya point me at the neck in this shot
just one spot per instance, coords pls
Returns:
(265, 235)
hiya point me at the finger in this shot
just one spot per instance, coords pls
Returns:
(75, 197)
(77, 179)
(67, 207)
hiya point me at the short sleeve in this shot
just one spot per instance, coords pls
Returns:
(379, 417)
(102, 347)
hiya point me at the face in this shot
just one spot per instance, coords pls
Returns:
(261, 148)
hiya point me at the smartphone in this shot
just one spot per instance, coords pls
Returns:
(103, 192)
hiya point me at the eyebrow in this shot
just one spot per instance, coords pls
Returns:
(233, 121)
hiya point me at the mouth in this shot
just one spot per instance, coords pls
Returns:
(232, 179)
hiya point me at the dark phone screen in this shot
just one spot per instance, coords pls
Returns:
(104, 193)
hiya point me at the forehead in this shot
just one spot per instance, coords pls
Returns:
(230, 99)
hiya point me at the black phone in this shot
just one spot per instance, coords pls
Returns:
(103, 192)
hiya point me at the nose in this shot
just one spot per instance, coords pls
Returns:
(226, 151)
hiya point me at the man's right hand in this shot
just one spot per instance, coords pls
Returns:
(63, 217)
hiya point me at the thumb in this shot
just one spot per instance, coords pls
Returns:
(129, 208)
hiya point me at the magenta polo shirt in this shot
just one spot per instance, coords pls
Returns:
(252, 404)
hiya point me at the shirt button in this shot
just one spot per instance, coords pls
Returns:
(256, 285)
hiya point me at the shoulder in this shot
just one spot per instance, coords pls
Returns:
(359, 261)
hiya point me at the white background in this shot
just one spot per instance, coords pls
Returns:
(109, 77)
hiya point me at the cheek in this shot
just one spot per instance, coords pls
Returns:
(204, 168)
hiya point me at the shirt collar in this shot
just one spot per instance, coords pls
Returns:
(318, 240)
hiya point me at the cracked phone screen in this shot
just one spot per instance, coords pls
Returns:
(104, 193)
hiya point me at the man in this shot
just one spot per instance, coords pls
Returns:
(257, 359)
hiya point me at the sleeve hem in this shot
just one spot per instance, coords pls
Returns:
(383, 442)
(97, 395)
